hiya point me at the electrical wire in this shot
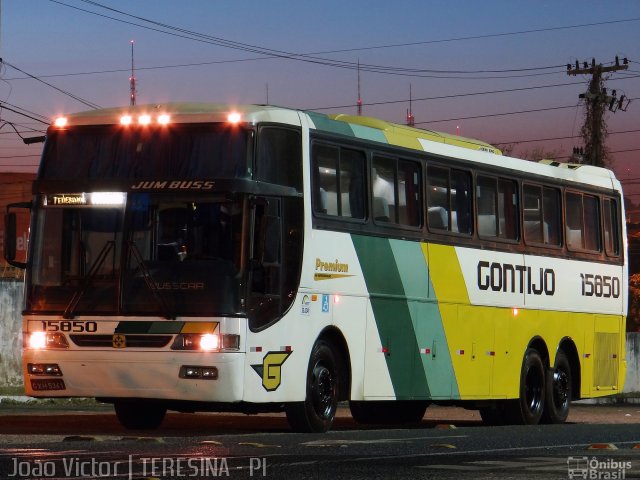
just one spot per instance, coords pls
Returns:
(312, 58)
(69, 94)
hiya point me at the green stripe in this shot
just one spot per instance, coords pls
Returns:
(322, 122)
(368, 133)
(393, 316)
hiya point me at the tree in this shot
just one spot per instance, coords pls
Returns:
(633, 315)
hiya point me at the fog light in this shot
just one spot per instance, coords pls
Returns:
(50, 369)
(193, 372)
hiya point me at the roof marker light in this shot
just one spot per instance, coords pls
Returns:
(144, 119)
(234, 117)
(60, 122)
(126, 120)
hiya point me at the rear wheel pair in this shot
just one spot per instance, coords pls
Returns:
(545, 395)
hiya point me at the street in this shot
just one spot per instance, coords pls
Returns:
(87, 442)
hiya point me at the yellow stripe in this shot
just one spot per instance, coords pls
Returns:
(199, 327)
(445, 273)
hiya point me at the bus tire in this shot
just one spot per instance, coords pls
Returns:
(317, 412)
(388, 412)
(138, 415)
(528, 408)
(558, 394)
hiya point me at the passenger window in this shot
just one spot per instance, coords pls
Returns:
(541, 215)
(611, 233)
(449, 200)
(583, 222)
(497, 201)
(396, 191)
(339, 181)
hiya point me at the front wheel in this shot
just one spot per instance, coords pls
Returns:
(138, 415)
(317, 412)
(558, 394)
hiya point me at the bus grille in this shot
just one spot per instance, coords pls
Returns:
(133, 341)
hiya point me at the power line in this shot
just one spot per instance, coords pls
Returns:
(558, 138)
(310, 58)
(69, 94)
(497, 114)
(28, 114)
(218, 62)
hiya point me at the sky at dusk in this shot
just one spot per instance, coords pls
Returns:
(489, 70)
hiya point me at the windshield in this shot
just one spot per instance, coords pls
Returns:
(165, 253)
(180, 151)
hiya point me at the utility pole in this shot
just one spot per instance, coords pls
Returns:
(597, 100)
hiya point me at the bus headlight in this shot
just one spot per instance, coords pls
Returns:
(206, 342)
(209, 342)
(42, 340)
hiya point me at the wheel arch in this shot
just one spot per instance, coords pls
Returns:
(540, 345)
(568, 346)
(334, 336)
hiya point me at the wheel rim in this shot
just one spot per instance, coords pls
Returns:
(561, 389)
(534, 386)
(322, 391)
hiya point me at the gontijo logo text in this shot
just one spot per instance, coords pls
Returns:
(505, 277)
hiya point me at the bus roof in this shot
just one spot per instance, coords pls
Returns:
(367, 128)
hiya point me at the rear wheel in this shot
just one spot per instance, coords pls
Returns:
(318, 411)
(528, 408)
(558, 391)
(138, 415)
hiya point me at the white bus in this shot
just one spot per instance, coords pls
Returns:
(196, 257)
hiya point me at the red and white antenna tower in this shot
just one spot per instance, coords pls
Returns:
(411, 121)
(132, 81)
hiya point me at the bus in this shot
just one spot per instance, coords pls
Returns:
(204, 257)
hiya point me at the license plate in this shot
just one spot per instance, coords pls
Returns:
(39, 385)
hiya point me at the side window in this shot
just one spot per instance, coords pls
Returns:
(449, 204)
(487, 201)
(279, 158)
(497, 201)
(611, 228)
(541, 215)
(383, 188)
(552, 216)
(583, 222)
(396, 191)
(409, 193)
(339, 181)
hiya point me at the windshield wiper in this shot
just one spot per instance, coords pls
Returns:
(88, 278)
(148, 280)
